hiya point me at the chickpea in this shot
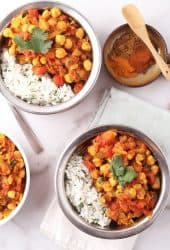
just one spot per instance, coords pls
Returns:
(98, 186)
(43, 60)
(106, 186)
(156, 184)
(43, 24)
(68, 43)
(60, 39)
(6, 212)
(7, 32)
(97, 162)
(118, 193)
(139, 157)
(112, 182)
(55, 12)
(132, 192)
(76, 52)
(35, 61)
(155, 169)
(62, 26)
(10, 179)
(142, 178)
(119, 187)
(18, 180)
(25, 20)
(123, 138)
(137, 186)
(83, 74)
(80, 33)
(16, 22)
(142, 148)
(91, 150)
(22, 173)
(130, 155)
(110, 194)
(52, 21)
(74, 66)
(11, 206)
(17, 155)
(46, 14)
(86, 46)
(25, 27)
(150, 160)
(11, 194)
(68, 78)
(60, 53)
(87, 65)
(105, 169)
(94, 174)
(141, 194)
(148, 152)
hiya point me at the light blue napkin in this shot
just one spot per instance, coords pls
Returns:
(118, 107)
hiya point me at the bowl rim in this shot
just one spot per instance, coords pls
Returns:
(27, 183)
(73, 216)
(97, 60)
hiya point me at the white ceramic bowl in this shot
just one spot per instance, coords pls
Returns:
(27, 183)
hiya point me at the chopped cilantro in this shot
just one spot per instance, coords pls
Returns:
(38, 41)
(124, 174)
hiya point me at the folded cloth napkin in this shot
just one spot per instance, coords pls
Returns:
(10, 127)
(117, 107)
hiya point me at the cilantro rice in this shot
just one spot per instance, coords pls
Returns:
(82, 194)
(38, 90)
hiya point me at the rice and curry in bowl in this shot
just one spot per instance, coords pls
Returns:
(112, 182)
(50, 57)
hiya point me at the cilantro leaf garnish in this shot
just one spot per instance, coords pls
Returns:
(123, 174)
(37, 43)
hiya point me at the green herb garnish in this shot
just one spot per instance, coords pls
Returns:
(37, 43)
(124, 174)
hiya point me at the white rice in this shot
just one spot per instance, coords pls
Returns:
(82, 194)
(23, 83)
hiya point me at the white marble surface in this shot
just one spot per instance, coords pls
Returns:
(56, 130)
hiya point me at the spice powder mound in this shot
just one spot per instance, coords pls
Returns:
(129, 56)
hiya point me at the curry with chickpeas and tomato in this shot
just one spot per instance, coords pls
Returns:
(125, 173)
(54, 47)
(12, 176)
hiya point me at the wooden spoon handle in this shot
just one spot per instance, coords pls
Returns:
(159, 60)
(137, 24)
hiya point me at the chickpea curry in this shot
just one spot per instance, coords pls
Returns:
(12, 176)
(126, 174)
(54, 43)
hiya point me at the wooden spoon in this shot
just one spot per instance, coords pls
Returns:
(137, 24)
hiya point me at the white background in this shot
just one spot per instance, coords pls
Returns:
(56, 130)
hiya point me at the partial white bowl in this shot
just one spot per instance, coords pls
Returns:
(27, 183)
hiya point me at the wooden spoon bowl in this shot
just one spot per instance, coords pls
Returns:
(152, 72)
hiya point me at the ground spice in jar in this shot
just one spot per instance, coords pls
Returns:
(129, 56)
